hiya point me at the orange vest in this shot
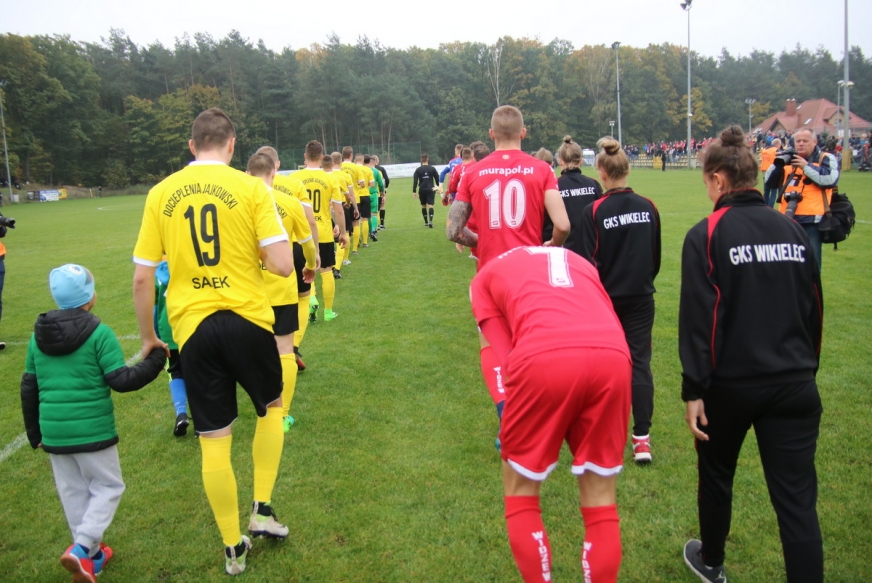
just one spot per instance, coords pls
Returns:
(2, 250)
(812, 202)
(767, 156)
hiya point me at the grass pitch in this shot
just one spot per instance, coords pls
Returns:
(390, 473)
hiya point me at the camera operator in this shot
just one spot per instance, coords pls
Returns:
(5, 224)
(775, 178)
(811, 175)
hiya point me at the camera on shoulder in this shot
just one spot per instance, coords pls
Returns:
(7, 222)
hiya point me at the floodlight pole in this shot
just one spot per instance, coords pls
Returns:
(616, 46)
(5, 150)
(846, 124)
(686, 6)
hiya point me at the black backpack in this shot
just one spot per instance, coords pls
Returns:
(838, 220)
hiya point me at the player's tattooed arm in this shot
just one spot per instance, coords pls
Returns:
(456, 229)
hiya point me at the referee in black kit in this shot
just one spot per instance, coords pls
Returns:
(746, 364)
(427, 179)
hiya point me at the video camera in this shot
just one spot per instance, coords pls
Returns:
(784, 157)
(7, 222)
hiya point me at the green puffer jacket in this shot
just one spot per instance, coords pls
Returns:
(73, 360)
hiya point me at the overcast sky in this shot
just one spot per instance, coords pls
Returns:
(738, 25)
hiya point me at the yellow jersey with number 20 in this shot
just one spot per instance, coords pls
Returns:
(323, 189)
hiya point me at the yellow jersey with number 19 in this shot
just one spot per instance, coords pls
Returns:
(211, 221)
(323, 190)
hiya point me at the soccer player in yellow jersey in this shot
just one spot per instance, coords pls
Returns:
(344, 183)
(326, 201)
(292, 186)
(282, 291)
(360, 189)
(220, 315)
(364, 202)
(351, 211)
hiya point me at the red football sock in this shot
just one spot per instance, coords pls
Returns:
(527, 538)
(601, 554)
(490, 370)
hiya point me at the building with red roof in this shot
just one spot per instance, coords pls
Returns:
(818, 115)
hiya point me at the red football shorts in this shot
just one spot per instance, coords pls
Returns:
(580, 395)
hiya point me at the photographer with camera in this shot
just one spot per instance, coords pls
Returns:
(6, 223)
(810, 176)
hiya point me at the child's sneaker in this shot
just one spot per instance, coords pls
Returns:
(75, 560)
(264, 522)
(180, 429)
(234, 557)
(102, 557)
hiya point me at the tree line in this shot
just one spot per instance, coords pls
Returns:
(115, 113)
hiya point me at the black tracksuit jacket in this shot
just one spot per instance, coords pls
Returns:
(751, 311)
(620, 235)
(577, 191)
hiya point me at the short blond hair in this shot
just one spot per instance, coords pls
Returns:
(260, 165)
(269, 151)
(507, 122)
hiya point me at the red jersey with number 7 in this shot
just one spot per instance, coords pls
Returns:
(507, 193)
(578, 312)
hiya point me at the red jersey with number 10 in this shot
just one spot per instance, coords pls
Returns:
(507, 193)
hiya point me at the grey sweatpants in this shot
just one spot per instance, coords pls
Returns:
(90, 487)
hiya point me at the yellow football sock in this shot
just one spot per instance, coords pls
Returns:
(355, 238)
(289, 378)
(220, 485)
(341, 255)
(364, 223)
(303, 316)
(328, 289)
(267, 452)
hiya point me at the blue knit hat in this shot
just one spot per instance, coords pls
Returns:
(71, 285)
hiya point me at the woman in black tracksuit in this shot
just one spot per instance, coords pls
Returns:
(576, 190)
(746, 364)
(620, 235)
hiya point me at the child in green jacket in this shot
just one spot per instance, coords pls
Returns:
(73, 360)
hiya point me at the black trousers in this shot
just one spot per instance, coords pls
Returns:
(637, 317)
(786, 420)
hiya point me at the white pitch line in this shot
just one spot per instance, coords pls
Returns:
(13, 447)
(19, 441)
